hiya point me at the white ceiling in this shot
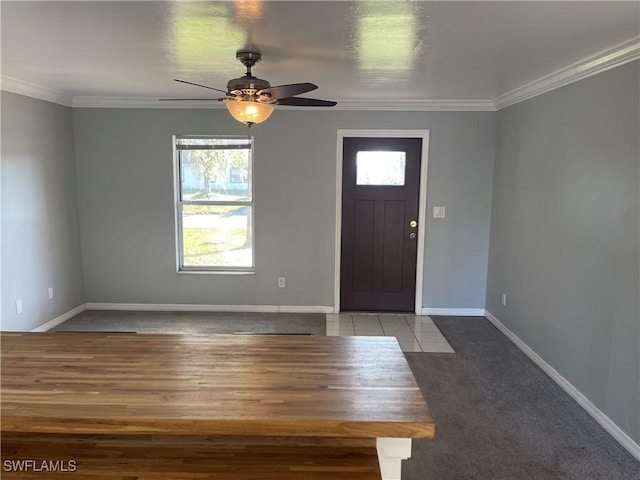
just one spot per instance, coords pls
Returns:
(368, 51)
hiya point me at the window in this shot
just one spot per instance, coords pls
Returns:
(380, 168)
(214, 207)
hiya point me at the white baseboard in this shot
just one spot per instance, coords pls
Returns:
(62, 318)
(306, 309)
(183, 307)
(625, 440)
(454, 312)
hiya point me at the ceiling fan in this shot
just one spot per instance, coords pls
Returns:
(250, 99)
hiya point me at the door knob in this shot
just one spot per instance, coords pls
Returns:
(413, 224)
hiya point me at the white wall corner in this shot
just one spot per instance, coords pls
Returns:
(45, 327)
(616, 432)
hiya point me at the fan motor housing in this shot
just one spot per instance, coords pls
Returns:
(247, 83)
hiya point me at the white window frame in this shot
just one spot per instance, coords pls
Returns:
(179, 202)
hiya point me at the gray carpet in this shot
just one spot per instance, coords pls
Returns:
(194, 322)
(499, 417)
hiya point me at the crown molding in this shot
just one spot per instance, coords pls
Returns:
(141, 102)
(417, 105)
(599, 62)
(28, 89)
(385, 105)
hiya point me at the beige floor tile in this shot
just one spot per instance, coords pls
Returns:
(366, 321)
(346, 329)
(410, 346)
(422, 320)
(333, 329)
(390, 318)
(369, 332)
(340, 321)
(339, 327)
(417, 335)
(419, 328)
(437, 347)
(411, 318)
(395, 324)
(398, 330)
(431, 337)
(401, 336)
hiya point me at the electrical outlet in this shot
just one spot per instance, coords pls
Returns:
(504, 299)
(50, 293)
(18, 307)
(281, 282)
(438, 212)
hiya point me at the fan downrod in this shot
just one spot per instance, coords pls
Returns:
(248, 58)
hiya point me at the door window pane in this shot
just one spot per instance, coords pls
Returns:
(380, 168)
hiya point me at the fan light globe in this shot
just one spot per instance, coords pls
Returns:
(249, 112)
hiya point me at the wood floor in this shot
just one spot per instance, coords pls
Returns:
(108, 457)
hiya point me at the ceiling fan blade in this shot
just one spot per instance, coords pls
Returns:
(305, 102)
(284, 91)
(203, 86)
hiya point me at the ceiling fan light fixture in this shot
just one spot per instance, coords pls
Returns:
(249, 112)
(250, 99)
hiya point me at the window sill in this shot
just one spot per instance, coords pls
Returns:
(214, 272)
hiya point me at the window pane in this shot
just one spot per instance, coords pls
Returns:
(380, 168)
(216, 174)
(217, 236)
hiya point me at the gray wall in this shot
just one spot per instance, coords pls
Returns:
(40, 233)
(564, 235)
(125, 182)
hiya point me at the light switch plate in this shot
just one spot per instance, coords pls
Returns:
(438, 212)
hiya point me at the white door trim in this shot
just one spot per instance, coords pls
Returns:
(422, 204)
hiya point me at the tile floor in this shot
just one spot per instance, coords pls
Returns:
(414, 333)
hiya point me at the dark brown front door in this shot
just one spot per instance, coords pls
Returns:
(380, 191)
